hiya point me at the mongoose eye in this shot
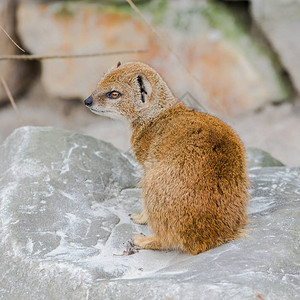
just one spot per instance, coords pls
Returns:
(113, 95)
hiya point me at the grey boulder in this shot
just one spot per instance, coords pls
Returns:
(65, 229)
(260, 158)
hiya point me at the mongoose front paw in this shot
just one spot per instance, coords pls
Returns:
(147, 242)
(138, 240)
(139, 218)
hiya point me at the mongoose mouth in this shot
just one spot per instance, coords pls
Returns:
(107, 113)
(101, 112)
(98, 112)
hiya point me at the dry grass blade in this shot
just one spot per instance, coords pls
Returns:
(42, 57)
(11, 39)
(12, 101)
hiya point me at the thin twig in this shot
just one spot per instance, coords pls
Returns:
(12, 101)
(42, 57)
(19, 47)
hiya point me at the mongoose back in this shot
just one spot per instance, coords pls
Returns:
(194, 180)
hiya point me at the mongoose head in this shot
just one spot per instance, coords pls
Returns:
(131, 91)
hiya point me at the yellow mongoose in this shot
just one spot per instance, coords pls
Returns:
(194, 179)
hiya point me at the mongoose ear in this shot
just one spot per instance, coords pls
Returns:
(144, 87)
(118, 64)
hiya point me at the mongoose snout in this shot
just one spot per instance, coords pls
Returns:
(194, 182)
(89, 101)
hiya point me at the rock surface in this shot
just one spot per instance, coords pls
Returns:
(65, 229)
(280, 23)
(235, 73)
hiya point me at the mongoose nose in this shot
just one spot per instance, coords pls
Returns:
(89, 101)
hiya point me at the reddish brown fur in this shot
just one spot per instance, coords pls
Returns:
(194, 181)
(194, 184)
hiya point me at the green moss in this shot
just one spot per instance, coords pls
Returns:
(156, 8)
(221, 17)
(236, 26)
(159, 11)
(64, 10)
(183, 19)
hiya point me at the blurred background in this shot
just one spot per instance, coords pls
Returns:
(238, 60)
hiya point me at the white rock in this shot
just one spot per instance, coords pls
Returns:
(280, 22)
(64, 229)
